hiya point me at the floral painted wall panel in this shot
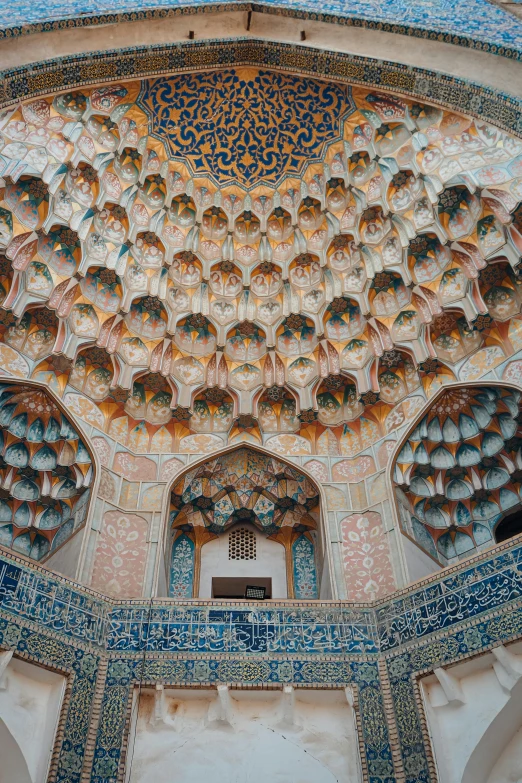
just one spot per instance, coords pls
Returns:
(366, 557)
(305, 574)
(352, 470)
(134, 468)
(107, 487)
(102, 448)
(317, 469)
(170, 469)
(182, 568)
(120, 559)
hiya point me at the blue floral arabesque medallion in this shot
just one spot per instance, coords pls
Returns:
(232, 125)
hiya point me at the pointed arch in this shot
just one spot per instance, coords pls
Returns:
(455, 473)
(49, 470)
(251, 480)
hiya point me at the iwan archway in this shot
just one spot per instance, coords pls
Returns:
(245, 517)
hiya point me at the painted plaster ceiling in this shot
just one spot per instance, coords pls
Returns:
(238, 488)
(45, 472)
(244, 486)
(178, 297)
(461, 469)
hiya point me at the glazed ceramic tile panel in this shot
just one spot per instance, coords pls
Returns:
(54, 604)
(305, 576)
(191, 629)
(182, 567)
(477, 21)
(470, 592)
(451, 618)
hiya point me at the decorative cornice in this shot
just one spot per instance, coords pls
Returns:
(60, 75)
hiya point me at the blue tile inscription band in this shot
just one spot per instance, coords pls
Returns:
(202, 629)
(56, 623)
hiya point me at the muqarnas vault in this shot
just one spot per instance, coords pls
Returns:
(260, 408)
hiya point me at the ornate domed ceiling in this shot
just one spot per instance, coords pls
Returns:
(245, 255)
(245, 126)
(461, 469)
(45, 472)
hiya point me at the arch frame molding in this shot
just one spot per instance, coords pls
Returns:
(324, 549)
(127, 64)
(97, 468)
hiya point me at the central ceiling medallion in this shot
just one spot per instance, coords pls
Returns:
(244, 125)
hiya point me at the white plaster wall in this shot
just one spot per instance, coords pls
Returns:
(270, 562)
(325, 584)
(508, 768)
(418, 563)
(65, 561)
(264, 742)
(30, 702)
(477, 737)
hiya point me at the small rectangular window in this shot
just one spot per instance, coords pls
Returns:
(235, 586)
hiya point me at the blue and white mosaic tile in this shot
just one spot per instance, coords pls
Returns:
(476, 20)
(52, 604)
(184, 629)
(53, 622)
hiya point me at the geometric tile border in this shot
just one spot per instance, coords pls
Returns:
(480, 33)
(65, 73)
(107, 647)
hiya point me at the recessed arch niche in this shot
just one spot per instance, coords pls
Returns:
(47, 471)
(458, 472)
(509, 526)
(245, 489)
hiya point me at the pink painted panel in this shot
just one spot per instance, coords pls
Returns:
(134, 468)
(103, 450)
(384, 452)
(366, 557)
(353, 469)
(513, 372)
(119, 562)
(317, 469)
(170, 469)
